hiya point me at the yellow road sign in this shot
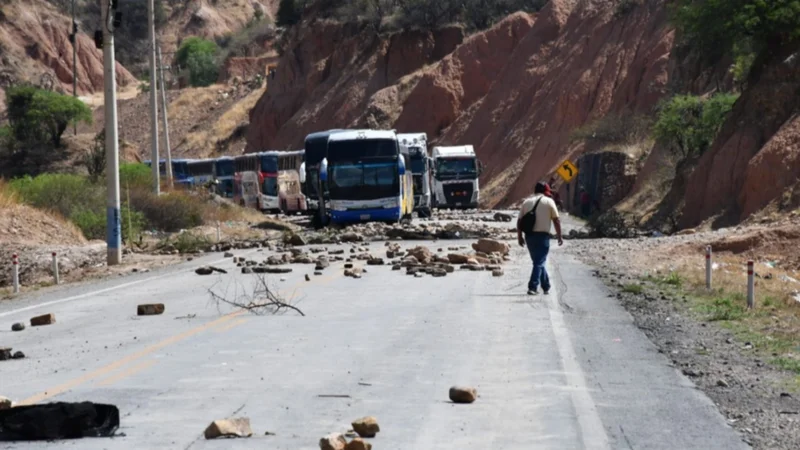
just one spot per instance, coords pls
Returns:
(567, 170)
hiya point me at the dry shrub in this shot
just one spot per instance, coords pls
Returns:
(171, 211)
(8, 197)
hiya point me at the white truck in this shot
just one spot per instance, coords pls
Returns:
(455, 177)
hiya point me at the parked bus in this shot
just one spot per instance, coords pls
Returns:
(421, 169)
(255, 181)
(180, 171)
(315, 189)
(290, 193)
(268, 164)
(367, 177)
(224, 171)
(201, 171)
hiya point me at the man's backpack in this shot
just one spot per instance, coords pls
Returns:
(528, 221)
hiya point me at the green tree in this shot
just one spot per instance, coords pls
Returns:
(37, 115)
(713, 27)
(198, 56)
(289, 13)
(689, 124)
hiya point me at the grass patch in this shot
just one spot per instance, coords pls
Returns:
(186, 243)
(8, 196)
(633, 288)
(728, 307)
(674, 279)
(785, 363)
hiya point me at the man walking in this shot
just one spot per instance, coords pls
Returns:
(534, 223)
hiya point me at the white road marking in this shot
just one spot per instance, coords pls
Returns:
(592, 431)
(110, 289)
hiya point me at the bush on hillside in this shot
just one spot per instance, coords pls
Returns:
(94, 159)
(62, 193)
(689, 124)
(135, 176)
(40, 116)
(198, 56)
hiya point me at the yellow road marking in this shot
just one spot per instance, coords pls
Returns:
(228, 326)
(60, 389)
(126, 373)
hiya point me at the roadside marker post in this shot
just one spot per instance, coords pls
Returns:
(219, 237)
(15, 263)
(708, 267)
(751, 289)
(55, 268)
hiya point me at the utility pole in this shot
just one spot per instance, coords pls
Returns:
(113, 226)
(74, 61)
(151, 26)
(166, 118)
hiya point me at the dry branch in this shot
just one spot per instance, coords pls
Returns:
(260, 300)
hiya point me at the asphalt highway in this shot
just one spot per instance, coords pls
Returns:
(564, 371)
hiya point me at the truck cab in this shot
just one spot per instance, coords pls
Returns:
(421, 170)
(455, 177)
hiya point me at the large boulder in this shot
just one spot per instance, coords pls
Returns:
(333, 441)
(235, 427)
(423, 254)
(490, 246)
(366, 426)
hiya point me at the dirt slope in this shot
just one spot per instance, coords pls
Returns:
(34, 39)
(756, 158)
(23, 225)
(514, 92)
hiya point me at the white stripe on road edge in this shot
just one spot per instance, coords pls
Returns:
(592, 431)
(103, 291)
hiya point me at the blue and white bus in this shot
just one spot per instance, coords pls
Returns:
(224, 171)
(367, 177)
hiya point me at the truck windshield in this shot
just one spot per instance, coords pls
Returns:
(417, 164)
(456, 166)
(364, 181)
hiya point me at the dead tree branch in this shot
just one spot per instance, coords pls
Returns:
(260, 300)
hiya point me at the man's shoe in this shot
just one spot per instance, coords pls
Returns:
(533, 292)
(547, 292)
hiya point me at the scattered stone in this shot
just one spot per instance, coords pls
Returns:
(358, 444)
(60, 420)
(351, 237)
(228, 255)
(419, 274)
(308, 277)
(247, 270)
(150, 309)
(336, 252)
(297, 240)
(366, 426)
(722, 383)
(502, 217)
(375, 262)
(438, 273)
(353, 272)
(204, 270)
(497, 273)
(397, 267)
(275, 270)
(317, 273)
(333, 441)
(19, 326)
(463, 394)
(490, 246)
(235, 427)
(5, 403)
(422, 254)
(456, 258)
(5, 353)
(18, 355)
(46, 319)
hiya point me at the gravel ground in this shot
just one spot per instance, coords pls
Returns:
(754, 397)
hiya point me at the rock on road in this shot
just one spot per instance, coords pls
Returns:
(564, 371)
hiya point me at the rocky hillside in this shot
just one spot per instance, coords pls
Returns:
(35, 47)
(519, 90)
(515, 91)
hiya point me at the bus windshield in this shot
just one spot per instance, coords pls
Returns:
(225, 168)
(361, 149)
(456, 166)
(269, 163)
(364, 181)
(270, 186)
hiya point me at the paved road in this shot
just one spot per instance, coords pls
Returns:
(566, 371)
